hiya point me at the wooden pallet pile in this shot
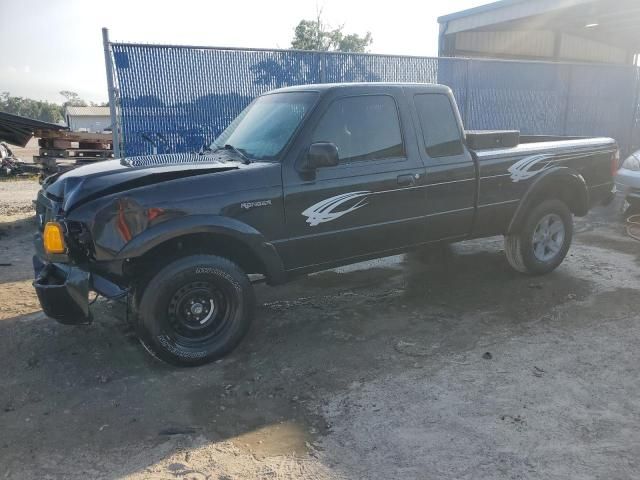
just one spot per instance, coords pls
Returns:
(63, 150)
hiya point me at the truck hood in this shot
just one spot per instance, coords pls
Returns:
(105, 178)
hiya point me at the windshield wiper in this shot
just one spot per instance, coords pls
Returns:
(246, 160)
(207, 149)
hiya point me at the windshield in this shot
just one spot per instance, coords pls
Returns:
(263, 129)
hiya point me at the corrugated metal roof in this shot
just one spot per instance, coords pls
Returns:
(17, 130)
(88, 111)
(610, 25)
(475, 10)
(520, 8)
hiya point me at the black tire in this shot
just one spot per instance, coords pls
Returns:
(536, 249)
(195, 310)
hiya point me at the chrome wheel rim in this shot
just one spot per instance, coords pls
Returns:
(548, 237)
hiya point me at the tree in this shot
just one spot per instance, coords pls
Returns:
(26, 107)
(72, 99)
(316, 35)
(354, 43)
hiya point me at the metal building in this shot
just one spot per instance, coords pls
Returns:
(88, 119)
(598, 31)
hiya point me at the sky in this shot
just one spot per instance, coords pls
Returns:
(58, 43)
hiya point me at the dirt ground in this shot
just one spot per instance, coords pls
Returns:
(425, 366)
(27, 152)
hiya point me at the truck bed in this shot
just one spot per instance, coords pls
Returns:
(491, 139)
(546, 144)
(503, 171)
(488, 139)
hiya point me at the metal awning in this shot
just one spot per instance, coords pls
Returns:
(18, 130)
(611, 22)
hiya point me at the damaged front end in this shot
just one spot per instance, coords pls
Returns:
(63, 278)
(63, 292)
(95, 211)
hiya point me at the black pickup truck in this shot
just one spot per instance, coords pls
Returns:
(304, 179)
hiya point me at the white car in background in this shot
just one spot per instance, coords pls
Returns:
(628, 179)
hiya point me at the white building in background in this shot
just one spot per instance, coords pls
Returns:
(88, 119)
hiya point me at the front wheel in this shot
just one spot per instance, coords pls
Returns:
(544, 240)
(195, 310)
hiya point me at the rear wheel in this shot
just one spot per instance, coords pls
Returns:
(544, 240)
(195, 310)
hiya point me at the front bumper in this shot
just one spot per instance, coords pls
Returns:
(63, 292)
(628, 182)
(63, 288)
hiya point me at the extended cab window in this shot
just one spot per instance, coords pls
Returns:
(442, 137)
(363, 128)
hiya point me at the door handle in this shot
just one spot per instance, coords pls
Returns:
(408, 180)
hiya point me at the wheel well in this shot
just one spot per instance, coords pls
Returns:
(568, 190)
(198, 243)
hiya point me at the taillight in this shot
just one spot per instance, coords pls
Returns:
(615, 162)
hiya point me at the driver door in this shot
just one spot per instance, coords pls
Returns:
(372, 201)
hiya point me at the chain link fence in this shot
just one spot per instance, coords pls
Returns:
(170, 98)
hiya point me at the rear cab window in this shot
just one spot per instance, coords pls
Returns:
(364, 128)
(440, 130)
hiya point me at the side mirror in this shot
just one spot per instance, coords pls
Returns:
(321, 154)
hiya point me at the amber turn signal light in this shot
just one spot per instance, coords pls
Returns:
(53, 238)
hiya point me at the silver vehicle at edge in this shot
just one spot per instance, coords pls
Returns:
(628, 179)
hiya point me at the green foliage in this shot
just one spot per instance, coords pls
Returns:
(354, 42)
(315, 35)
(308, 36)
(41, 110)
(72, 99)
(26, 107)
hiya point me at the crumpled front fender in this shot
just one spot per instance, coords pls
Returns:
(210, 224)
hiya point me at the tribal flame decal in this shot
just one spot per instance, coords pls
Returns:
(323, 211)
(530, 166)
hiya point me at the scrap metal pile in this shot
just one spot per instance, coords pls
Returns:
(12, 166)
(60, 149)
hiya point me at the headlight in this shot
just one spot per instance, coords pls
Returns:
(632, 163)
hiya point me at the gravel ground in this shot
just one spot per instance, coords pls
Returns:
(16, 196)
(419, 366)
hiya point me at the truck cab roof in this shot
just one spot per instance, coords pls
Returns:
(373, 86)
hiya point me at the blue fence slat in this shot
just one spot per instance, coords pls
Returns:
(178, 98)
(531, 97)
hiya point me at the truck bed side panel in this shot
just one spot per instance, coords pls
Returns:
(507, 174)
